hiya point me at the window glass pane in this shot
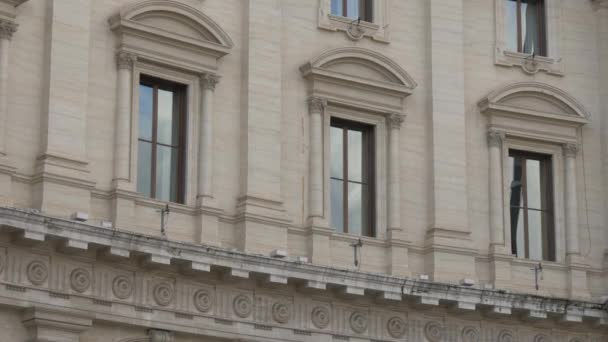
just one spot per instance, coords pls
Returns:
(535, 236)
(337, 205)
(146, 104)
(168, 123)
(529, 26)
(352, 8)
(355, 212)
(166, 173)
(144, 168)
(336, 7)
(510, 8)
(336, 150)
(515, 182)
(355, 156)
(533, 183)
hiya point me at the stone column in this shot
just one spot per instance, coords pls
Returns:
(315, 182)
(49, 325)
(394, 174)
(205, 142)
(7, 28)
(124, 100)
(495, 139)
(571, 205)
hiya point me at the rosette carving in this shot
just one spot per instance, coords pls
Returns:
(320, 317)
(80, 279)
(358, 322)
(163, 293)
(470, 334)
(505, 336)
(242, 306)
(396, 327)
(203, 301)
(122, 287)
(37, 272)
(280, 312)
(433, 331)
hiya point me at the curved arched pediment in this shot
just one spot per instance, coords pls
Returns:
(174, 18)
(361, 65)
(171, 33)
(537, 99)
(359, 77)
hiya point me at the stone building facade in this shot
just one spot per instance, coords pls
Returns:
(183, 170)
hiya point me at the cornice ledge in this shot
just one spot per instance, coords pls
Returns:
(31, 222)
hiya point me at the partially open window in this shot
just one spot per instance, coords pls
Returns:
(161, 141)
(351, 170)
(525, 26)
(354, 9)
(531, 209)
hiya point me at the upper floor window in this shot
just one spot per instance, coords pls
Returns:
(353, 9)
(161, 141)
(525, 28)
(351, 171)
(531, 199)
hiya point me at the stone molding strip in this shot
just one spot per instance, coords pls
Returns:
(36, 226)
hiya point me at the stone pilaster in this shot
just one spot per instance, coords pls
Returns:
(7, 28)
(208, 212)
(61, 179)
(53, 325)
(260, 209)
(124, 64)
(449, 227)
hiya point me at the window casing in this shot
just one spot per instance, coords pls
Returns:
(525, 26)
(355, 9)
(161, 139)
(352, 176)
(531, 205)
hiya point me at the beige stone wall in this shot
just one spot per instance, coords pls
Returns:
(69, 65)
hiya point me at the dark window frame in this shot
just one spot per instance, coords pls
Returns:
(368, 172)
(541, 28)
(366, 12)
(180, 95)
(547, 229)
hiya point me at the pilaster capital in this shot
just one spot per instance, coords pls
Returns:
(570, 150)
(316, 104)
(209, 81)
(495, 138)
(395, 120)
(7, 28)
(125, 60)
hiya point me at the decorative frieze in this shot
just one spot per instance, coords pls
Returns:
(242, 306)
(396, 327)
(470, 334)
(358, 322)
(122, 287)
(203, 300)
(163, 293)
(280, 312)
(434, 331)
(37, 272)
(80, 280)
(320, 317)
(506, 336)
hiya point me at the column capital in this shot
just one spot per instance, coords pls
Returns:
(7, 28)
(46, 324)
(316, 104)
(125, 60)
(395, 120)
(209, 81)
(495, 138)
(160, 335)
(570, 150)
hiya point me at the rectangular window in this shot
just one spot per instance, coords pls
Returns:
(525, 26)
(531, 206)
(354, 9)
(161, 141)
(351, 173)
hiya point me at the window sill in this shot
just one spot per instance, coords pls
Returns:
(530, 65)
(374, 241)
